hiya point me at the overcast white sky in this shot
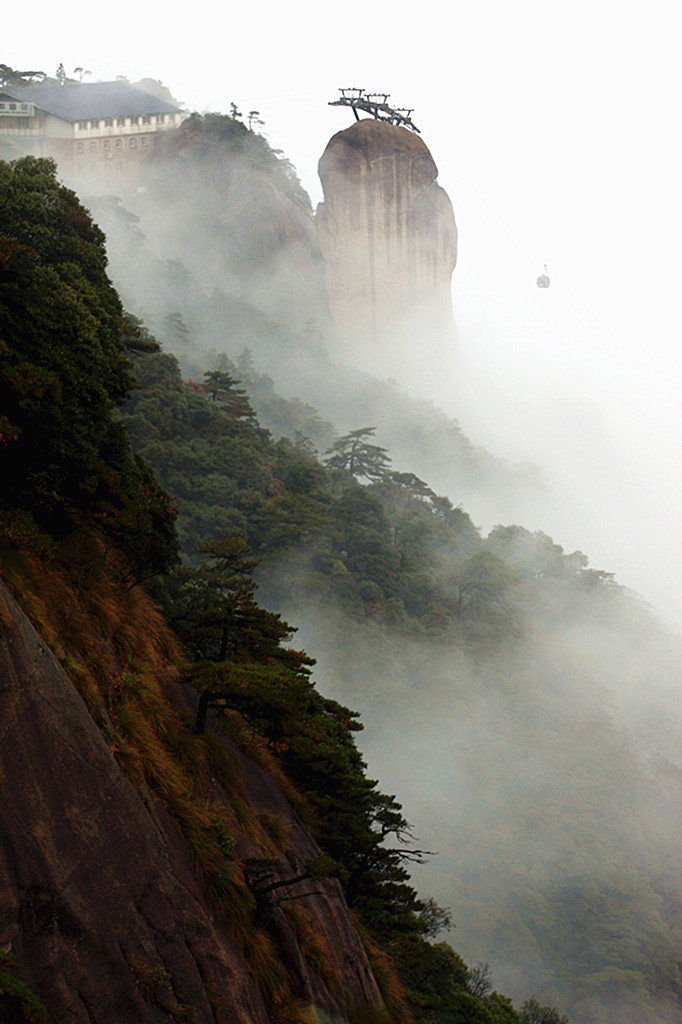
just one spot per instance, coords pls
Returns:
(555, 128)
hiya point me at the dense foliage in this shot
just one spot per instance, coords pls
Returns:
(341, 526)
(365, 546)
(63, 371)
(221, 139)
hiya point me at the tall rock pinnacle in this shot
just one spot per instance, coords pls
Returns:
(388, 237)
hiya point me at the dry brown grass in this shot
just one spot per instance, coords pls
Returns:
(259, 750)
(388, 979)
(123, 659)
(313, 946)
(5, 617)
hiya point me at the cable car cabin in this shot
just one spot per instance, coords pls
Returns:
(543, 281)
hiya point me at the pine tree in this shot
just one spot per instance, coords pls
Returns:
(353, 454)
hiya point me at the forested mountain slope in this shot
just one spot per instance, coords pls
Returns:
(514, 695)
(520, 701)
(516, 700)
(151, 870)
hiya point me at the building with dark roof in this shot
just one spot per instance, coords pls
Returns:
(100, 130)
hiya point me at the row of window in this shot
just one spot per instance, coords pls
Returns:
(109, 144)
(16, 122)
(95, 169)
(120, 122)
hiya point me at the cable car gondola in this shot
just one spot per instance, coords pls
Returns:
(543, 280)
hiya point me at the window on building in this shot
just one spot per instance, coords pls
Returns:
(80, 147)
(23, 122)
(93, 146)
(120, 122)
(107, 143)
(147, 119)
(94, 124)
(118, 143)
(160, 118)
(108, 122)
(119, 166)
(82, 125)
(133, 143)
(143, 141)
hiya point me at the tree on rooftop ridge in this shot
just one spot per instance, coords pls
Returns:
(10, 76)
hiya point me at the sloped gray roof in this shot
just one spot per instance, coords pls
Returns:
(82, 102)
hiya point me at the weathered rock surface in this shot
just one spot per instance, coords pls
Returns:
(96, 881)
(388, 237)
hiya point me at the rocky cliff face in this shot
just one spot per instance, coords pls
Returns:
(232, 225)
(389, 241)
(100, 900)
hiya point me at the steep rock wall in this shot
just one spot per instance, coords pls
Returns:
(97, 885)
(388, 237)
